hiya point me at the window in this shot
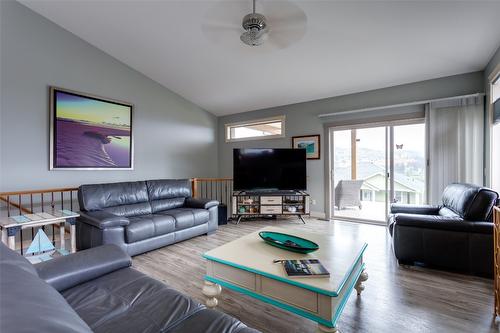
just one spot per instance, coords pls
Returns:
(495, 133)
(268, 128)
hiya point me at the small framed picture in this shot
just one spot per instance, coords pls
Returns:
(311, 143)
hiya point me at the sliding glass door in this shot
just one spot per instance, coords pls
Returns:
(373, 167)
(408, 181)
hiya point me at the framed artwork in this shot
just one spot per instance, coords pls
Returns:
(311, 143)
(89, 132)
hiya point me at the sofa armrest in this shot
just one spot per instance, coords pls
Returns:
(200, 203)
(76, 268)
(442, 223)
(415, 209)
(102, 219)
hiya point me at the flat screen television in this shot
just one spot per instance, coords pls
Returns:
(259, 169)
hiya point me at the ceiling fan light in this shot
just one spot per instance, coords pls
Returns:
(254, 37)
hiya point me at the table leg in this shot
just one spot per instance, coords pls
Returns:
(4, 236)
(72, 232)
(11, 237)
(211, 290)
(359, 284)
(62, 235)
(326, 329)
(12, 242)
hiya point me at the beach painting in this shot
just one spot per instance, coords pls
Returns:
(89, 132)
(311, 143)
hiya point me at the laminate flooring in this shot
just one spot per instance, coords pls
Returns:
(396, 298)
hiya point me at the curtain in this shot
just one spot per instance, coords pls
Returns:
(456, 143)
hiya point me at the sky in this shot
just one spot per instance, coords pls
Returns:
(81, 108)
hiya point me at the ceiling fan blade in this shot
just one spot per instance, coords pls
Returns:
(218, 32)
(221, 26)
(283, 36)
(283, 12)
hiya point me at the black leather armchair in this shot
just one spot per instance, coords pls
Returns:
(142, 216)
(456, 235)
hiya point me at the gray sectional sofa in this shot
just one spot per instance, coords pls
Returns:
(142, 216)
(96, 290)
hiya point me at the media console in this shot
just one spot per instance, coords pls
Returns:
(252, 204)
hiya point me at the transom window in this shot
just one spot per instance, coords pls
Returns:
(268, 128)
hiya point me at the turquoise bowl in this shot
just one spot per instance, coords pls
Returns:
(288, 242)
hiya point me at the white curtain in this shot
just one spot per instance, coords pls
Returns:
(456, 143)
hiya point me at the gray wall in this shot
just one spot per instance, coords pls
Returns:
(301, 119)
(492, 64)
(173, 137)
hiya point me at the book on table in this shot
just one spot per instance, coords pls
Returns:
(304, 268)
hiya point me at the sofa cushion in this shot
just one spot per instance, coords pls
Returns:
(129, 301)
(168, 193)
(187, 217)
(445, 211)
(211, 321)
(28, 303)
(148, 226)
(124, 199)
(68, 271)
(471, 202)
(137, 209)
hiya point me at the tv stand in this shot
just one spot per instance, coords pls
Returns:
(274, 203)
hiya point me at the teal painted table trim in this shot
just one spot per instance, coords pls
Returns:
(343, 302)
(292, 282)
(346, 276)
(290, 308)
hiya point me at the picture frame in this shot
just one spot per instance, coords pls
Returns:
(89, 132)
(312, 144)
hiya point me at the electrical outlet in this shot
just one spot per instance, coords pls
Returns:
(313, 201)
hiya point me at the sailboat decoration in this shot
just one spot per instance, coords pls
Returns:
(41, 243)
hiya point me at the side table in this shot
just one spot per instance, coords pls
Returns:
(9, 226)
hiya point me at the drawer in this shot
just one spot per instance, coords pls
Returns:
(233, 275)
(270, 200)
(289, 294)
(270, 210)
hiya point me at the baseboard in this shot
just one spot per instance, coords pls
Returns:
(318, 215)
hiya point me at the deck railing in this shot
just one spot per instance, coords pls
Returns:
(33, 201)
(220, 189)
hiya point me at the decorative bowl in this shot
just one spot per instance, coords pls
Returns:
(288, 242)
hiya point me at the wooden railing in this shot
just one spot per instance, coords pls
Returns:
(220, 189)
(17, 202)
(34, 201)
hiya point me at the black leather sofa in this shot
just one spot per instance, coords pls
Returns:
(456, 235)
(142, 216)
(96, 290)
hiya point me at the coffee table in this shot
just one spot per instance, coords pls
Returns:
(246, 265)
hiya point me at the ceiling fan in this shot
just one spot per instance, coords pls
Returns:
(284, 23)
(255, 28)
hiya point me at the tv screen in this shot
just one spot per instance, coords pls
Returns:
(269, 169)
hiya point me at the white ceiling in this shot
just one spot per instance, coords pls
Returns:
(349, 46)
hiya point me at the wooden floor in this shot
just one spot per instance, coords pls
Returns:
(396, 298)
